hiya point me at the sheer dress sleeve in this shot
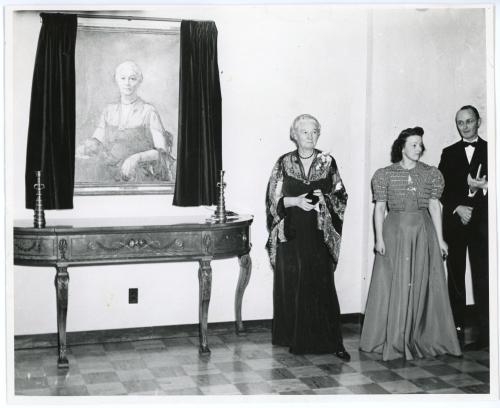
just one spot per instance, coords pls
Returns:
(156, 129)
(100, 130)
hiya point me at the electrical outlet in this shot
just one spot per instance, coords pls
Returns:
(133, 295)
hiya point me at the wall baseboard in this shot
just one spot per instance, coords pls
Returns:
(163, 332)
(133, 334)
(352, 318)
(147, 333)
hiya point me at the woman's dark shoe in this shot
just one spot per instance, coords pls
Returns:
(343, 355)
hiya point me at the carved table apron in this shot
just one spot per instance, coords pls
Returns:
(125, 241)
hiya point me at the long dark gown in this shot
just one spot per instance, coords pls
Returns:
(306, 308)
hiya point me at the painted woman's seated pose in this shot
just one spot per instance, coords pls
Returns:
(129, 143)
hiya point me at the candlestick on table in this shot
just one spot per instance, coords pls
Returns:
(220, 211)
(39, 216)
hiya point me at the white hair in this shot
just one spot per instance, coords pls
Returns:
(131, 65)
(304, 116)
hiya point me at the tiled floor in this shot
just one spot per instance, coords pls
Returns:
(246, 364)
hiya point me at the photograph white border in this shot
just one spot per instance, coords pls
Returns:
(375, 400)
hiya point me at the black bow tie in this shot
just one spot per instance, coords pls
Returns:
(467, 144)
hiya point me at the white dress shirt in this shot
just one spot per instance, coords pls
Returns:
(469, 150)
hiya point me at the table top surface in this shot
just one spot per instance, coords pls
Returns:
(192, 221)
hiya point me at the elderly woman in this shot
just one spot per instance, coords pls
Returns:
(408, 311)
(305, 203)
(129, 143)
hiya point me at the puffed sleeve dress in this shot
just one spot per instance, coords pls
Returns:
(408, 311)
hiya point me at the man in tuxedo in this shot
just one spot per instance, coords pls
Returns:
(465, 222)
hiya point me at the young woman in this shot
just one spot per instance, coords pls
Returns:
(408, 311)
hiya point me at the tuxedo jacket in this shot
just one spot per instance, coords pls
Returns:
(455, 168)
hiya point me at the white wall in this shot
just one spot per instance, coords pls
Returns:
(425, 65)
(275, 63)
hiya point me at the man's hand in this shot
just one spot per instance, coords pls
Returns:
(477, 184)
(465, 213)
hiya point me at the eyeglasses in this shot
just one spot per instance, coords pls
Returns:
(468, 122)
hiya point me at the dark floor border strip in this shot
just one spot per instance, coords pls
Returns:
(134, 334)
(163, 332)
(148, 333)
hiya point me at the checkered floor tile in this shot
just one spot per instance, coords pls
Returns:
(247, 364)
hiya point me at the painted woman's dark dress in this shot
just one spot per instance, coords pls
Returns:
(304, 248)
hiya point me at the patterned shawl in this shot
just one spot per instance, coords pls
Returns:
(331, 214)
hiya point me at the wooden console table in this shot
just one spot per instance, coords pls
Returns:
(127, 241)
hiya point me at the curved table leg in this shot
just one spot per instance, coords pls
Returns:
(205, 282)
(61, 282)
(245, 271)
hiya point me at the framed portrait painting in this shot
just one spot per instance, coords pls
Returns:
(127, 92)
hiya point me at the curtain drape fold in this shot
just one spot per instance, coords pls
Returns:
(199, 152)
(51, 131)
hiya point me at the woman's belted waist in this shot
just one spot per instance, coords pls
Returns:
(413, 210)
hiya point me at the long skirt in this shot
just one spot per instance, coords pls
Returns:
(306, 307)
(408, 311)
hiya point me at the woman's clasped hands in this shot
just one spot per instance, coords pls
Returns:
(306, 203)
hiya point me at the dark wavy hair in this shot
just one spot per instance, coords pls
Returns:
(399, 143)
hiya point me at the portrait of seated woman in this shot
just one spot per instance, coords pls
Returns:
(129, 144)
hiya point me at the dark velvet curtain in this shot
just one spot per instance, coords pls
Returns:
(199, 152)
(51, 132)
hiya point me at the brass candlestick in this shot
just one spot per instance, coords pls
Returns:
(220, 211)
(39, 218)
